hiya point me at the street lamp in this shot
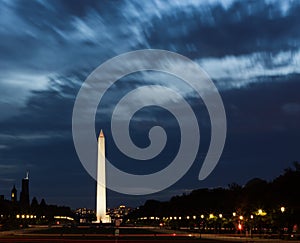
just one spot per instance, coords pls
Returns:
(234, 214)
(251, 225)
(282, 209)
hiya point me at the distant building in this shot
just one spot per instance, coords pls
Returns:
(14, 194)
(119, 212)
(85, 215)
(24, 195)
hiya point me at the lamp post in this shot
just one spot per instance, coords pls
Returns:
(240, 225)
(234, 221)
(282, 209)
(251, 225)
(201, 228)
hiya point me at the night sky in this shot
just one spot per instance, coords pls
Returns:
(250, 49)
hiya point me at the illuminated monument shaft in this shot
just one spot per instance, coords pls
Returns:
(101, 182)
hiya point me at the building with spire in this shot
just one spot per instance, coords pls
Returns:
(14, 194)
(24, 195)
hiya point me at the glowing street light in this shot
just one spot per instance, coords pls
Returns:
(241, 217)
(261, 212)
(202, 216)
(240, 226)
(234, 214)
(251, 216)
(220, 215)
(282, 209)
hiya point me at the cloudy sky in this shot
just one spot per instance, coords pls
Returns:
(250, 49)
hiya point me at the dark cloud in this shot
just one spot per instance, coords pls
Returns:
(242, 28)
(48, 48)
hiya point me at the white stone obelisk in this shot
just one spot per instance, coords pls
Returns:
(101, 182)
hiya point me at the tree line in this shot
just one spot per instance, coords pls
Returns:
(278, 201)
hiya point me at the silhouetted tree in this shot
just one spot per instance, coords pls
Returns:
(256, 194)
(34, 203)
(43, 203)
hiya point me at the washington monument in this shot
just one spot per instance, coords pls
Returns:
(101, 182)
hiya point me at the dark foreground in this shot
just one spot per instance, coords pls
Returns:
(88, 235)
(122, 235)
(101, 240)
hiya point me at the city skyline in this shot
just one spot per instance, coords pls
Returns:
(23, 197)
(250, 51)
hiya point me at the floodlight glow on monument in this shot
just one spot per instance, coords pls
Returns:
(101, 182)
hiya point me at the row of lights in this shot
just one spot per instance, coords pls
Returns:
(27, 216)
(211, 216)
(63, 217)
(187, 217)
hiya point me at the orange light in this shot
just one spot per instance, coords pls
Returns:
(240, 227)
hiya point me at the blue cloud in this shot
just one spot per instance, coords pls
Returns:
(48, 48)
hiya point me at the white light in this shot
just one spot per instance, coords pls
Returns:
(101, 182)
